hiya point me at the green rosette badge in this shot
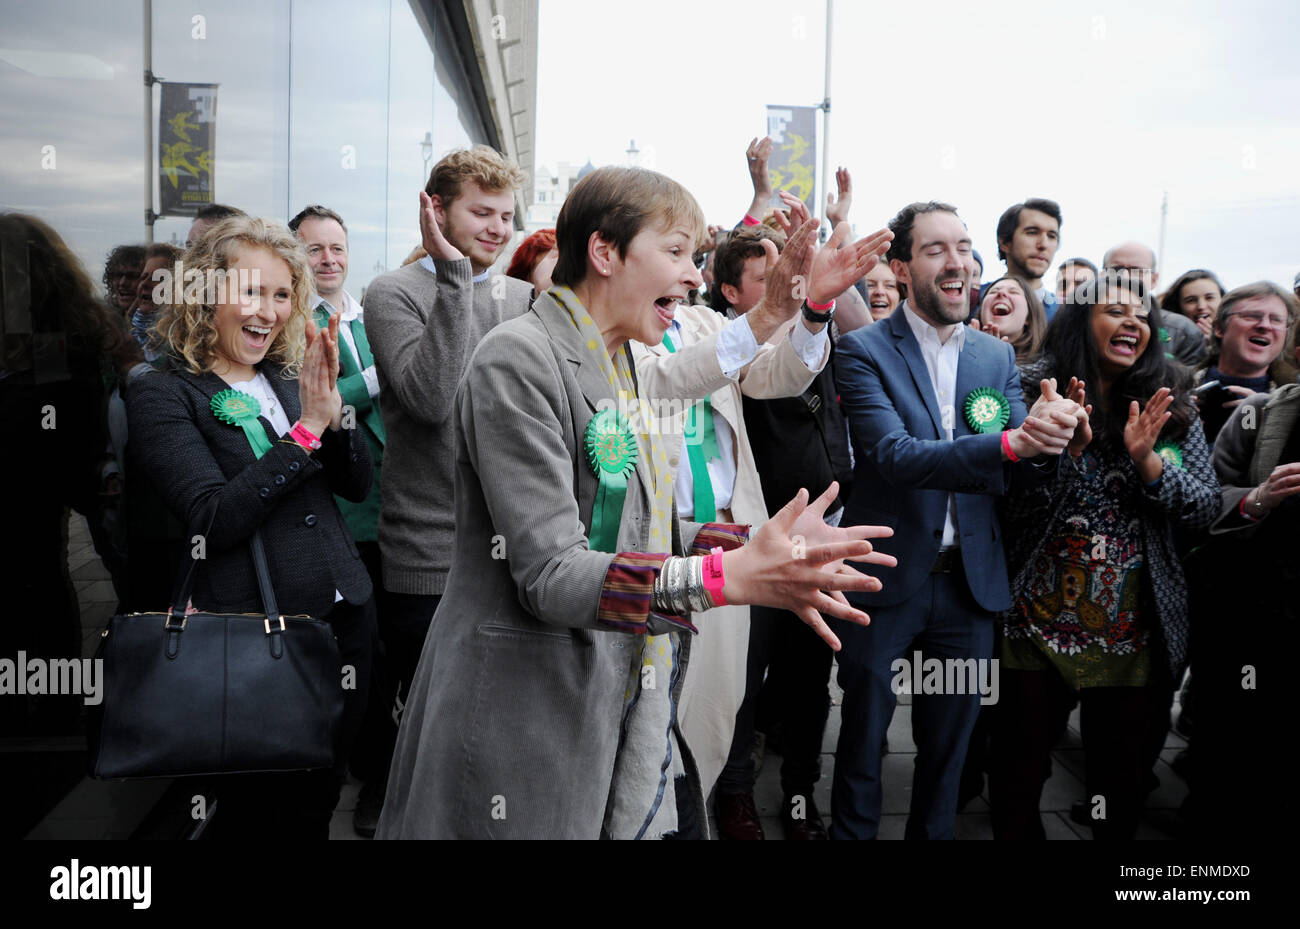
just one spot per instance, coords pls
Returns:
(240, 409)
(611, 453)
(1171, 452)
(986, 410)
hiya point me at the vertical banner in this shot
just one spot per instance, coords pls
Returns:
(793, 164)
(187, 136)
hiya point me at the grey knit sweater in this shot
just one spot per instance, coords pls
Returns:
(422, 329)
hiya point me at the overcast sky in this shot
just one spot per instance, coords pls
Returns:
(1097, 105)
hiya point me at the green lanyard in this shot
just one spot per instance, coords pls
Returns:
(701, 448)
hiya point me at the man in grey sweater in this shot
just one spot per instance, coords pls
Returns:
(424, 320)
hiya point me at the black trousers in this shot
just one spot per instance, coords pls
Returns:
(1118, 727)
(378, 734)
(298, 804)
(798, 667)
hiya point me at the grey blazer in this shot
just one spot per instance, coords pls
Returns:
(512, 723)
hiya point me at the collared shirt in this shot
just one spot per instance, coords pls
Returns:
(737, 347)
(350, 311)
(722, 470)
(941, 360)
(427, 263)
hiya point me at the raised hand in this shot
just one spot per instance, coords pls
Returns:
(781, 296)
(1143, 429)
(837, 210)
(792, 564)
(757, 156)
(435, 243)
(837, 266)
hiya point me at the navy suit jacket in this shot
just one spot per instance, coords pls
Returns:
(905, 467)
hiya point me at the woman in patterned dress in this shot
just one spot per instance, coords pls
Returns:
(1099, 596)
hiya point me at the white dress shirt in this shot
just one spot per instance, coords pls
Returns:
(350, 311)
(737, 347)
(941, 360)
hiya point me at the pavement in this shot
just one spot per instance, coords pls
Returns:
(97, 809)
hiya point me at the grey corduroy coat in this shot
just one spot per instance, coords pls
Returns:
(512, 724)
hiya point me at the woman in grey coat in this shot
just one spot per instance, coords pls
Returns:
(545, 701)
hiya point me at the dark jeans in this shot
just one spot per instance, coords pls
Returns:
(798, 666)
(403, 627)
(1118, 726)
(942, 621)
(298, 804)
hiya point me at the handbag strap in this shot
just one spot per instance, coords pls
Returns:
(185, 583)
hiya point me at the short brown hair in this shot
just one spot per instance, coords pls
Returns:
(729, 262)
(618, 203)
(483, 165)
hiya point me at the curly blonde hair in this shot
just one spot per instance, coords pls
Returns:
(187, 328)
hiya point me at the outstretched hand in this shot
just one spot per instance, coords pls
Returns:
(796, 562)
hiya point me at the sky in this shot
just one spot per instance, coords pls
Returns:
(1100, 106)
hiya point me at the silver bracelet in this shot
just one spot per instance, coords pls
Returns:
(679, 588)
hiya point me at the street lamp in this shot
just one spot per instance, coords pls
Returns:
(426, 149)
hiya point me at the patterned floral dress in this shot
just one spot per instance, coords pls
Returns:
(1080, 607)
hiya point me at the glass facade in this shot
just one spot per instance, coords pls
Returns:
(318, 101)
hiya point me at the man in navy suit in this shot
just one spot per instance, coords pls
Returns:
(939, 429)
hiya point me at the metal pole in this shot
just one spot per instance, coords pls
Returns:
(1164, 215)
(148, 121)
(826, 114)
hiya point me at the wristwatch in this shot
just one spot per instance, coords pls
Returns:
(815, 317)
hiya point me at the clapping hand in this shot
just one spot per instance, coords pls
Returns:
(318, 395)
(1050, 426)
(435, 243)
(1142, 431)
(839, 264)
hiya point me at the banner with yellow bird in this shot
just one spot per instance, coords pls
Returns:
(793, 165)
(187, 139)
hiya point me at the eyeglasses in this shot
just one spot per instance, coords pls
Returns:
(1258, 317)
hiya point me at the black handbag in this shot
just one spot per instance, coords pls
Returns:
(216, 693)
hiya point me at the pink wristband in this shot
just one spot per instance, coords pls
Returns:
(713, 579)
(1006, 447)
(750, 221)
(819, 307)
(303, 437)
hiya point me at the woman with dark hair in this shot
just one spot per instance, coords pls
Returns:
(1196, 294)
(63, 349)
(534, 260)
(1099, 596)
(545, 703)
(241, 431)
(1010, 310)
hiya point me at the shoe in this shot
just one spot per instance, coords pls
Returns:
(370, 801)
(805, 827)
(737, 818)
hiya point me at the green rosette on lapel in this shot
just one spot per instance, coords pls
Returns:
(612, 454)
(240, 409)
(986, 410)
